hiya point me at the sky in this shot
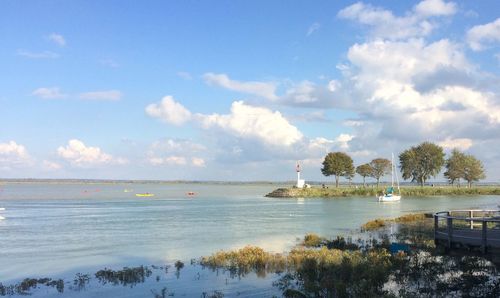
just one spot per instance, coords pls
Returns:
(241, 90)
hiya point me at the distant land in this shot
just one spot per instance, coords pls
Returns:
(125, 181)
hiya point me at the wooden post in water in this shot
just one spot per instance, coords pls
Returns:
(436, 223)
(484, 241)
(449, 223)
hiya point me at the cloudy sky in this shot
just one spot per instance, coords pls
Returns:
(240, 90)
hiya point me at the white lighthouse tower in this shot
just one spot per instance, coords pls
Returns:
(300, 182)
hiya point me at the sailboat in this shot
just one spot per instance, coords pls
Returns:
(389, 195)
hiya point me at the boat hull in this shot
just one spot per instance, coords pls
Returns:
(391, 198)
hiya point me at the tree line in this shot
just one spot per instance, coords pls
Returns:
(418, 163)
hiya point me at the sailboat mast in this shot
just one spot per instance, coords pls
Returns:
(392, 169)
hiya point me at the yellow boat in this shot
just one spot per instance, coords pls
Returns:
(145, 194)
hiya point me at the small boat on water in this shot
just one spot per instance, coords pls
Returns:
(147, 194)
(389, 195)
(128, 190)
(190, 193)
(2, 209)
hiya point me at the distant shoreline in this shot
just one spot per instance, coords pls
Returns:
(414, 191)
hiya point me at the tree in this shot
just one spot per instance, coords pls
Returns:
(455, 167)
(473, 169)
(338, 164)
(364, 171)
(380, 167)
(421, 162)
(349, 175)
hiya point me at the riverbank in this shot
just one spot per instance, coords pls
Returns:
(415, 191)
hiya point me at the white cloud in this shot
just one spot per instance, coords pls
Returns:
(110, 95)
(37, 55)
(262, 89)
(80, 155)
(13, 155)
(435, 8)
(481, 36)
(50, 165)
(343, 141)
(57, 39)
(175, 152)
(314, 27)
(169, 160)
(169, 111)
(198, 162)
(255, 123)
(460, 143)
(385, 24)
(49, 93)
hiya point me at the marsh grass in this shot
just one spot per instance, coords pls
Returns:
(26, 285)
(126, 277)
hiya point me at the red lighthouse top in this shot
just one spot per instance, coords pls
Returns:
(297, 168)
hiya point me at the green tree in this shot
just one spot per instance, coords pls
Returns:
(380, 167)
(455, 167)
(339, 164)
(364, 171)
(421, 162)
(473, 169)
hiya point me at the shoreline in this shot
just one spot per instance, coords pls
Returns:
(414, 191)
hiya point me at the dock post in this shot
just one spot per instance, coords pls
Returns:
(449, 223)
(471, 214)
(436, 223)
(484, 241)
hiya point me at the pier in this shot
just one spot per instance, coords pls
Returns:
(469, 229)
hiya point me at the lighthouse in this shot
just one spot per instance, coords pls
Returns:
(300, 182)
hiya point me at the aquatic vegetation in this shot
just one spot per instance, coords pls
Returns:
(214, 294)
(126, 276)
(81, 281)
(312, 240)
(26, 285)
(374, 225)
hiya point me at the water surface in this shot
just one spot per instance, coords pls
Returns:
(60, 229)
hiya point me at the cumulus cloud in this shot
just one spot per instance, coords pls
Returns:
(169, 111)
(106, 95)
(80, 155)
(57, 39)
(49, 93)
(176, 152)
(13, 155)
(460, 143)
(384, 24)
(262, 89)
(259, 123)
(37, 55)
(481, 36)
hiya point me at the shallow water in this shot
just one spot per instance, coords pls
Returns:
(60, 229)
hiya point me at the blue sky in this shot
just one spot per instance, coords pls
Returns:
(240, 90)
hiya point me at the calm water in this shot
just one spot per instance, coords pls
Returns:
(54, 229)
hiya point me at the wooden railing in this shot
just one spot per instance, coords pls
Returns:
(470, 228)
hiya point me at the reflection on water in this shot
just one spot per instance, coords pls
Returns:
(52, 229)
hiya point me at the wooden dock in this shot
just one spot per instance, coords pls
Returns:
(469, 229)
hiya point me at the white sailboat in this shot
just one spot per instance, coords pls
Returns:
(389, 195)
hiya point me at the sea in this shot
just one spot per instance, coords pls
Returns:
(58, 230)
